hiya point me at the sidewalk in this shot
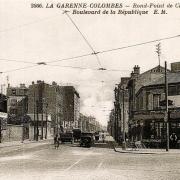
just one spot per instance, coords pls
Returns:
(113, 145)
(148, 151)
(19, 143)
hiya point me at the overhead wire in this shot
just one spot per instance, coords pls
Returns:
(90, 54)
(138, 44)
(70, 58)
(18, 61)
(83, 68)
(84, 55)
(61, 66)
(85, 39)
(116, 49)
(100, 52)
(12, 70)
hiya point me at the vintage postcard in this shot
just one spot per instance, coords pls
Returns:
(89, 90)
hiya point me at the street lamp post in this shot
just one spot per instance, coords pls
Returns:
(166, 111)
(34, 109)
(116, 113)
(42, 121)
(46, 120)
(37, 121)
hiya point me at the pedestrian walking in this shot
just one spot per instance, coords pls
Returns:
(103, 138)
(56, 142)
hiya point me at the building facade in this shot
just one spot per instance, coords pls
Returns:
(71, 108)
(17, 108)
(45, 104)
(121, 108)
(89, 124)
(140, 103)
(111, 124)
(137, 81)
(149, 116)
(17, 104)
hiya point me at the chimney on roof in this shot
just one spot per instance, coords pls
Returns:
(39, 81)
(32, 82)
(136, 70)
(54, 83)
(132, 74)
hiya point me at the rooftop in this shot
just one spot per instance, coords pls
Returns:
(172, 78)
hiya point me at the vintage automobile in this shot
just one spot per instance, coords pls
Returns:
(66, 137)
(96, 134)
(87, 140)
(76, 134)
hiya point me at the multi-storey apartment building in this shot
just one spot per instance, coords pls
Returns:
(45, 103)
(17, 104)
(71, 107)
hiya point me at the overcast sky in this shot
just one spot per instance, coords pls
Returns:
(36, 35)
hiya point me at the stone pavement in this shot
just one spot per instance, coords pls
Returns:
(19, 143)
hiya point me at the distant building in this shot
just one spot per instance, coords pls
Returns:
(117, 114)
(111, 124)
(3, 103)
(89, 124)
(45, 104)
(17, 104)
(44, 109)
(17, 119)
(121, 109)
(3, 115)
(71, 107)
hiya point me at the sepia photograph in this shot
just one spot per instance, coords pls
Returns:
(89, 90)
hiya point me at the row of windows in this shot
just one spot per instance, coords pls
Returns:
(174, 90)
(154, 103)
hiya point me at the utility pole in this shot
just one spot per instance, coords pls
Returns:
(37, 122)
(46, 120)
(158, 51)
(116, 103)
(34, 104)
(42, 123)
(124, 135)
(22, 119)
(166, 110)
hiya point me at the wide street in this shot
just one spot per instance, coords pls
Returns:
(41, 161)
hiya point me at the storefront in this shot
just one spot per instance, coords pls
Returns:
(150, 128)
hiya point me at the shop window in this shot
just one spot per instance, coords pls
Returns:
(141, 103)
(156, 99)
(178, 89)
(173, 125)
(172, 91)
